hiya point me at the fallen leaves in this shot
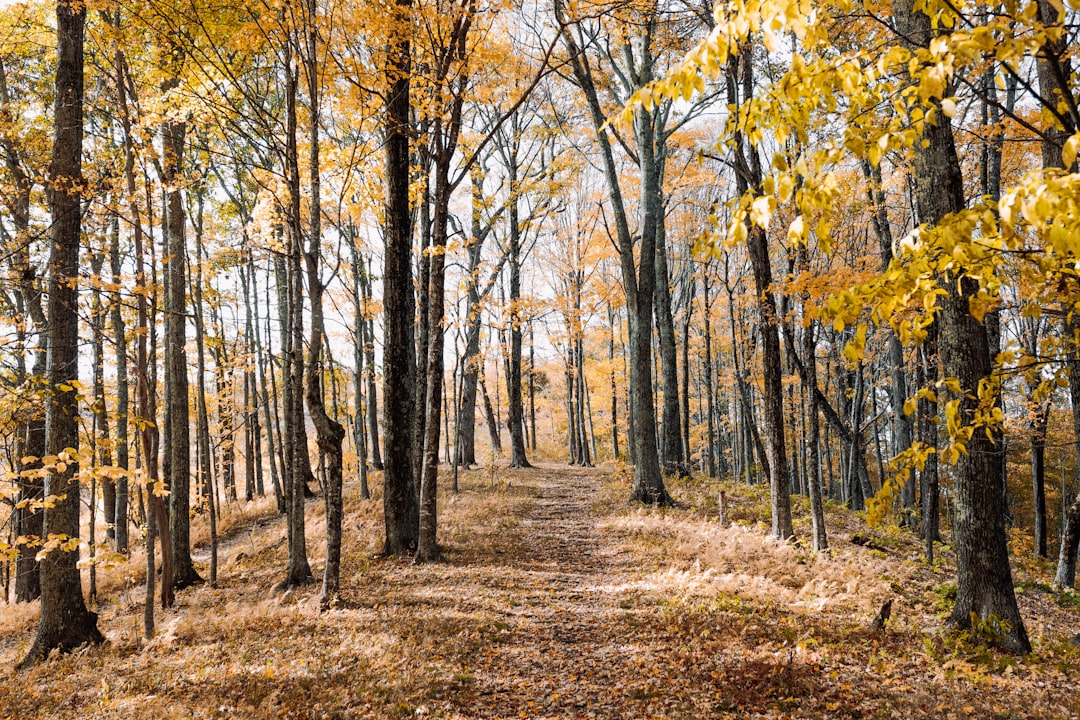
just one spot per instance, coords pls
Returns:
(556, 600)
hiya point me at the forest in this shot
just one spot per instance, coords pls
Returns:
(304, 305)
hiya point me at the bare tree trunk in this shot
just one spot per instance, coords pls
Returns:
(329, 432)
(65, 621)
(400, 504)
(177, 458)
(514, 402)
(298, 570)
(984, 578)
(707, 367)
(1070, 537)
(638, 275)
(749, 175)
(120, 511)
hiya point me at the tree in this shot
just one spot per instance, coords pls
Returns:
(65, 621)
(638, 268)
(400, 497)
(958, 294)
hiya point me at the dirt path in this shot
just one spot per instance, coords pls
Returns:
(570, 641)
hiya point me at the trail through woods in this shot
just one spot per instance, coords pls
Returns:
(556, 599)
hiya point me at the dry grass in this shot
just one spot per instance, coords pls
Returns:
(555, 599)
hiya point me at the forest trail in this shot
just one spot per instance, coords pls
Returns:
(559, 651)
(555, 599)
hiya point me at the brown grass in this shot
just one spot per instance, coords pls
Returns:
(555, 599)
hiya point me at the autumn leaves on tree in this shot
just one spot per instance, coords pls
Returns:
(745, 242)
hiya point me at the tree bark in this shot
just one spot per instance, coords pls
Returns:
(298, 570)
(749, 176)
(400, 504)
(177, 457)
(984, 578)
(514, 403)
(65, 622)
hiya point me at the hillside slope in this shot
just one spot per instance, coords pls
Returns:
(558, 599)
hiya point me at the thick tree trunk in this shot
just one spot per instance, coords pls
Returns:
(177, 459)
(400, 504)
(65, 622)
(984, 578)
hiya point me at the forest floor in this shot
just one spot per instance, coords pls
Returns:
(557, 599)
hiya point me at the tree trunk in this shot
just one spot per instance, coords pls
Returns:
(65, 622)
(329, 432)
(298, 570)
(1038, 476)
(177, 458)
(710, 428)
(514, 404)
(638, 276)
(903, 424)
(749, 176)
(1070, 537)
(120, 513)
(614, 385)
(400, 504)
(984, 578)
(361, 371)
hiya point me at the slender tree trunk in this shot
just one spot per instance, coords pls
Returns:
(298, 570)
(638, 275)
(359, 347)
(492, 422)
(1038, 476)
(514, 403)
(707, 367)
(273, 436)
(614, 385)
(903, 424)
(674, 461)
(749, 176)
(1070, 537)
(329, 432)
(372, 397)
(684, 390)
(120, 513)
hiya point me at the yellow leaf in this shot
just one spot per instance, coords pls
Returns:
(1068, 153)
